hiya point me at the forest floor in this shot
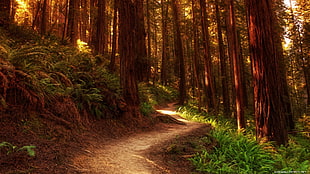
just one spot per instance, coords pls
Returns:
(163, 149)
(114, 146)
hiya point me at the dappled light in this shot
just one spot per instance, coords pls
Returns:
(154, 86)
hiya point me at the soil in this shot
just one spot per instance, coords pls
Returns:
(163, 147)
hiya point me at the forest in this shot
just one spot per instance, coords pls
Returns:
(83, 82)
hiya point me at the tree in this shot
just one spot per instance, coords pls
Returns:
(235, 59)
(269, 109)
(128, 15)
(101, 28)
(223, 62)
(208, 81)
(114, 37)
(142, 64)
(44, 17)
(179, 52)
(306, 60)
(73, 18)
(165, 54)
(5, 8)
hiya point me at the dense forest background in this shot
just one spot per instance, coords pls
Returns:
(78, 60)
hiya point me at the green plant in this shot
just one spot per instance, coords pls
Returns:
(146, 108)
(234, 153)
(10, 148)
(294, 157)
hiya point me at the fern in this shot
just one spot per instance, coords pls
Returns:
(10, 148)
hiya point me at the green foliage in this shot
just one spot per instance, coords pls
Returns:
(10, 148)
(151, 95)
(294, 157)
(146, 108)
(234, 153)
(40, 70)
(240, 153)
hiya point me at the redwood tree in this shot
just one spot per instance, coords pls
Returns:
(128, 14)
(269, 110)
(179, 51)
(100, 30)
(73, 16)
(234, 56)
(5, 6)
(208, 81)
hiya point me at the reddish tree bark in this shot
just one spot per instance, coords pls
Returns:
(73, 17)
(179, 52)
(128, 44)
(114, 37)
(165, 54)
(100, 29)
(208, 82)
(5, 8)
(234, 56)
(223, 62)
(269, 109)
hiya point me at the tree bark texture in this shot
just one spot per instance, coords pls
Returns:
(73, 18)
(165, 54)
(128, 44)
(269, 109)
(114, 37)
(208, 82)
(5, 8)
(223, 62)
(179, 52)
(234, 55)
(142, 64)
(100, 29)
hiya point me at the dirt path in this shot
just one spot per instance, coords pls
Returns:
(129, 155)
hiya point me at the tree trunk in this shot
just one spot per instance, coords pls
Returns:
(179, 52)
(223, 62)
(142, 65)
(269, 109)
(197, 85)
(5, 9)
(128, 44)
(44, 18)
(73, 18)
(101, 29)
(234, 56)
(208, 82)
(114, 37)
(306, 60)
(84, 20)
(165, 54)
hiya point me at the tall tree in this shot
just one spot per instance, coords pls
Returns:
(5, 8)
(73, 17)
(128, 15)
(196, 55)
(44, 17)
(235, 59)
(208, 81)
(269, 109)
(114, 37)
(142, 64)
(101, 28)
(306, 60)
(165, 54)
(179, 52)
(223, 62)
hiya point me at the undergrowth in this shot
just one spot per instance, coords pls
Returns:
(153, 95)
(36, 72)
(240, 153)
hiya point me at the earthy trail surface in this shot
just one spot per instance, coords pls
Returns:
(139, 153)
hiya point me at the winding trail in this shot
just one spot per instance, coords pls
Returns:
(128, 155)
